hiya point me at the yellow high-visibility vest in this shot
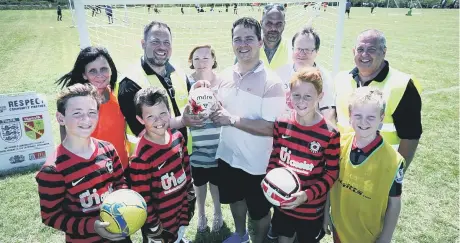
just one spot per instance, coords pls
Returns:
(359, 197)
(393, 88)
(178, 80)
(282, 55)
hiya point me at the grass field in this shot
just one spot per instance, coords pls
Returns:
(35, 50)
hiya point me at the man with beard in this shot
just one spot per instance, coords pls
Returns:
(277, 50)
(155, 70)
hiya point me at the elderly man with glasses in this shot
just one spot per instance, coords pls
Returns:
(401, 126)
(277, 50)
(306, 45)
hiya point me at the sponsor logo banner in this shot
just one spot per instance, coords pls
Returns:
(25, 130)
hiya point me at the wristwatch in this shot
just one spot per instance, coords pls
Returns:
(232, 120)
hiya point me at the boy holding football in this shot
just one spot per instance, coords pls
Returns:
(365, 202)
(75, 179)
(159, 169)
(307, 144)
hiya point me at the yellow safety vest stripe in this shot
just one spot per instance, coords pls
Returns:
(281, 57)
(393, 88)
(178, 80)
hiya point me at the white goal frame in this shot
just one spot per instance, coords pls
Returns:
(85, 41)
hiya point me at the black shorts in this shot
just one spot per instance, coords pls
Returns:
(307, 230)
(202, 176)
(347, 10)
(109, 14)
(236, 185)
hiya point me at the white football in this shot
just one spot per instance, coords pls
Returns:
(202, 101)
(279, 184)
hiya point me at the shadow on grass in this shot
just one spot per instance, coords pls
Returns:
(224, 233)
(213, 237)
(20, 171)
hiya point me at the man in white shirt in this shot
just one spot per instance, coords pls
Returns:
(306, 45)
(252, 97)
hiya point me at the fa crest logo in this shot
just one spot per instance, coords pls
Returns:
(315, 147)
(109, 166)
(10, 130)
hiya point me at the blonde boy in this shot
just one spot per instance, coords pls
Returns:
(365, 201)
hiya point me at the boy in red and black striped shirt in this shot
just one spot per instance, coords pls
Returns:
(159, 169)
(309, 145)
(74, 181)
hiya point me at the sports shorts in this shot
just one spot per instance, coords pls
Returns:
(202, 175)
(306, 230)
(236, 185)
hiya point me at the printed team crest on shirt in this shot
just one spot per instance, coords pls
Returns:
(315, 147)
(399, 176)
(109, 166)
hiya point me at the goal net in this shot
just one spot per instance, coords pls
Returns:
(200, 23)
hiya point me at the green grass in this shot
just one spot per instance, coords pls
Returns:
(35, 50)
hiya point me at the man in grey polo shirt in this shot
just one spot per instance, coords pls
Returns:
(252, 97)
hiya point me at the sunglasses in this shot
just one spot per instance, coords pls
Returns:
(270, 6)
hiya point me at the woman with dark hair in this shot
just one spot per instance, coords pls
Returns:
(202, 60)
(94, 65)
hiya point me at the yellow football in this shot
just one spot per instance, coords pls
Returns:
(125, 210)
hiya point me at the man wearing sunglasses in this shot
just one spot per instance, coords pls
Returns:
(306, 45)
(276, 50)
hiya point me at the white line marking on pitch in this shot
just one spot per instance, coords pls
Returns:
(437, 91)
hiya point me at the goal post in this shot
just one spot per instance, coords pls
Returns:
(190, 27)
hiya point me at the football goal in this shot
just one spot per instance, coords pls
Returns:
(203, 22)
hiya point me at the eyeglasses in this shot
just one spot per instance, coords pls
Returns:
(270, 6)
(305, 50)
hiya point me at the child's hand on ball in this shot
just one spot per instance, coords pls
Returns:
(100, 226)
(300, 197)
(201, 83)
